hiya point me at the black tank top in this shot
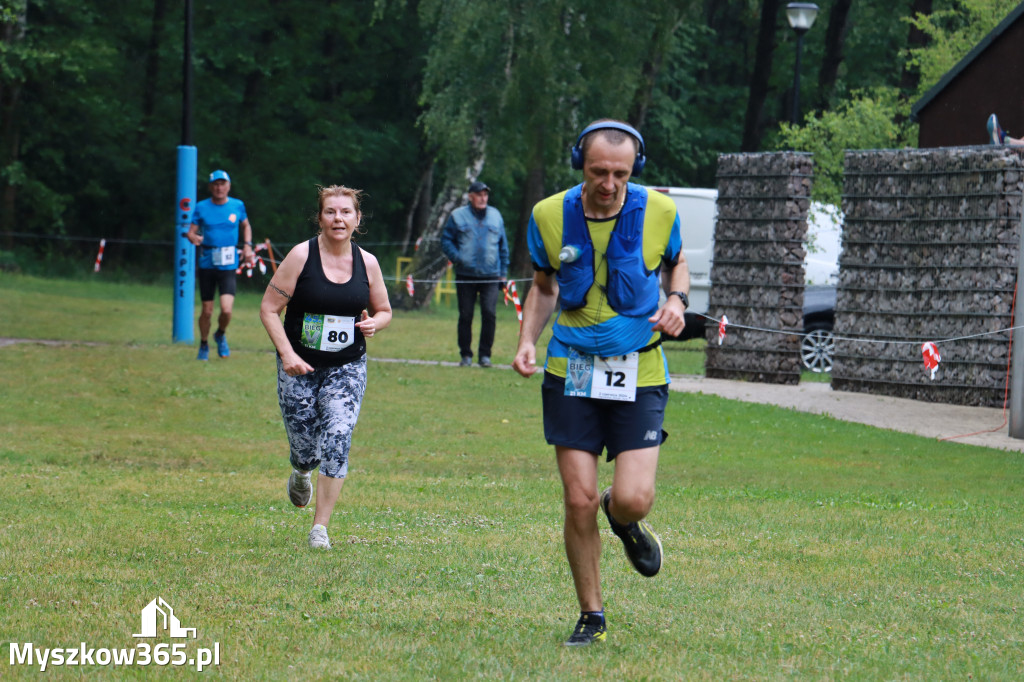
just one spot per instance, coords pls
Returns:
(321, 315)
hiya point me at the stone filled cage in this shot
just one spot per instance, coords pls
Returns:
(757, 272)
(931, 242)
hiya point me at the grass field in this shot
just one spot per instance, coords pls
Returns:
(795, 545)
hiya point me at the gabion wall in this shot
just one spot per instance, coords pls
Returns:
(930, 246)
(758, 268)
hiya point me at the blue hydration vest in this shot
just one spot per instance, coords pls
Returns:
(632, 289)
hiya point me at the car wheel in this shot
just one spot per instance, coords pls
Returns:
(816, 350)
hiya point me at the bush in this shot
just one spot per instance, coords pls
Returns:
(868, 121)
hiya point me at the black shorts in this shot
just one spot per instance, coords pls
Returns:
(211, 279)
(592, 425)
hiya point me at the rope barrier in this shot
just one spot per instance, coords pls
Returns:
(160, 242)
(908, 342)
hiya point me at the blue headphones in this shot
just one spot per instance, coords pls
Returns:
(641, 157)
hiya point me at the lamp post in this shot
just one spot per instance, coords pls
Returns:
(801, 16)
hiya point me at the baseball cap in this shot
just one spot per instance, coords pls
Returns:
(219, 175)
(479, 187)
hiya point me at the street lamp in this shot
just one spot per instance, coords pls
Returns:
(801, 16)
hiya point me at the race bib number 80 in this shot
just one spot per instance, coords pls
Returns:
(330, 333)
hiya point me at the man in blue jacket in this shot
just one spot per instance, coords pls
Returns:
(474, 241)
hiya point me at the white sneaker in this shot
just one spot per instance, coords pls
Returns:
(300, 489)
(318, 538)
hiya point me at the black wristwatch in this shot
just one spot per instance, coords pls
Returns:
(682, 297)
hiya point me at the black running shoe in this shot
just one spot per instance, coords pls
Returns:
(643, 546)
(588, 630)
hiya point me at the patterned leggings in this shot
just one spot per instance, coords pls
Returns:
(320, 410)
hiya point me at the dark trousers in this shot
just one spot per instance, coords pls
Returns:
(467, 290)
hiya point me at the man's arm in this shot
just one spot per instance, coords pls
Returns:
(193, 232)
(540, 303)
(448, 245)
(669, 318)
(247, 251)
(503, 248)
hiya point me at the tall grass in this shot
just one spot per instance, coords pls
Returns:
(795, 545)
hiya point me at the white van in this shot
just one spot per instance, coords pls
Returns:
(697, 215)
(698, 211)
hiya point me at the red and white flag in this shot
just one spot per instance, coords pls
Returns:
(409, 286)
(721, 329)
(931, 357)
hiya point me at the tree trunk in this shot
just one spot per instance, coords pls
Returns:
(835, 41)
(419, 212)
(429, 263)
(910, 78)
(753, 126)
(533, 191)
(149, 85)
(660, 42)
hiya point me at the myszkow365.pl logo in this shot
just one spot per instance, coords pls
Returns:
(157, 616)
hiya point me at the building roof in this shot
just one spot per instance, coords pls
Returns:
(983, 45)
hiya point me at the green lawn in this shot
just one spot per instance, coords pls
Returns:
(795, 545)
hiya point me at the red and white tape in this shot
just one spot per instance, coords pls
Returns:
(99, 256)
(248, 266)
(513, 295)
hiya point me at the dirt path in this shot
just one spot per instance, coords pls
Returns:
(932, 420)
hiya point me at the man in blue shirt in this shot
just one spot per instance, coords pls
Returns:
(220, 218)
(474, 241)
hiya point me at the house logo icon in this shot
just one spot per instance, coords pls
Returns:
(158, 614)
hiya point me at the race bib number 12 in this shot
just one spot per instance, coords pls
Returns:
(330, 333)
(611, 378)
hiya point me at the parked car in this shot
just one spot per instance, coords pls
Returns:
(697, 214)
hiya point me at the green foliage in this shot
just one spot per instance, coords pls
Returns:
(866, 122)
(952, 33)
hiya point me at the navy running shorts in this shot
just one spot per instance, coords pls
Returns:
(593, 425)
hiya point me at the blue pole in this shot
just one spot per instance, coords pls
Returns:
(184, 251)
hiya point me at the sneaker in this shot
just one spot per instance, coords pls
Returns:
(996, 135)
(485, 361)
(643, 546)
(300, 489)
(204, 351)
(318, 538)
(588, 630)
(222, 344)
(466, 361)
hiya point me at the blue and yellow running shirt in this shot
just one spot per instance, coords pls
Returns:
(596, 328)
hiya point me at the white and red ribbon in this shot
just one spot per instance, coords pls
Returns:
(721, 329)
(409, 286)
(99, 256)
(513, 295)
(931, 357)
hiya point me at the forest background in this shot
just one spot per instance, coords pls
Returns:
(410, 100)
